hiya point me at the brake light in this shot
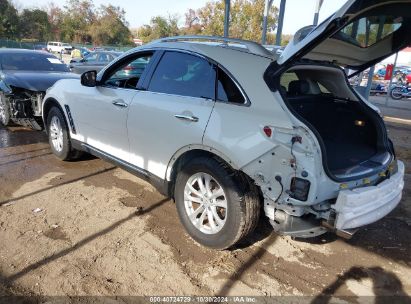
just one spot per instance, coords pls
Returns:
(128, 68)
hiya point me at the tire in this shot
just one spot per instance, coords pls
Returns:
(241, 197)
(4, 111)
(396, 93)
(58, 135)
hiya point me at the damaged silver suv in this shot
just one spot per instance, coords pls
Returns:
(227, 129)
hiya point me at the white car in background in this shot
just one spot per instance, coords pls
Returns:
(228, 131)
(59, 47)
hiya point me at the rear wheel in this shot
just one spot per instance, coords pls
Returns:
(217, 207)
(58, 134)
(4, 111)
(396, 93)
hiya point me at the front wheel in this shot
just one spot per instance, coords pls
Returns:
(217, 206)
(4, 111)
(396, 93)
(58, 134)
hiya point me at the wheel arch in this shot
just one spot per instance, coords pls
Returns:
(47, 105)
(187, 153)
(184, 155)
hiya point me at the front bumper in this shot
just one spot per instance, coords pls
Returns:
(362, 206)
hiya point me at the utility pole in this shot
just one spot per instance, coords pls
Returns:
(372, 69)
(317, 11)
(227, 18)
(392, 75)
(267, 7)
(280, 23)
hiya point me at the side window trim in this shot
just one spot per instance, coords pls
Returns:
(247, 101)
(149, 71)
(163, 52)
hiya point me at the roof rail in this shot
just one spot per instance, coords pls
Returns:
(252, 47)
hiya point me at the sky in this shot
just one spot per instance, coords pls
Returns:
(298, 13)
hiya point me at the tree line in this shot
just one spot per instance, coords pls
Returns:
(80, 21)
(246, 20)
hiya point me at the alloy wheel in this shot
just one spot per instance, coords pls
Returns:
(205, 203)
(56, 134)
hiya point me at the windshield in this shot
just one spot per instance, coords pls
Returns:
(31, 62)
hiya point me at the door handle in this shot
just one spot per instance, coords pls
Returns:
(120, 104)
(186, 117)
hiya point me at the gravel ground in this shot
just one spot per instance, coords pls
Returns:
(89, 228)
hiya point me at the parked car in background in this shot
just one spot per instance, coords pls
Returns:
(59, 47)
(84, 51)
(25, 75)
(135, 68)
(40, 47)
(94, 61)
(228, 131)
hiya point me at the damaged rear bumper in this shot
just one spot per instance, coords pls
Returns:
(362, 206)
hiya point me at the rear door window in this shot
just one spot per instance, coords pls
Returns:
(184, 74)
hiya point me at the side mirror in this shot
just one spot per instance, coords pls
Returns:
(88, 79)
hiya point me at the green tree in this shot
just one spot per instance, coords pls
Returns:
(246, 19)
(192, 25)
(110, 27)
(159, 27)
(9, 25)
(77, 19)
(211, 18)
(34, 24)
(55, 16)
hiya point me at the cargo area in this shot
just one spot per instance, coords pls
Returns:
(352, 137)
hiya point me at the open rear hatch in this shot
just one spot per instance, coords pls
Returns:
(360, 34)
(352, 136)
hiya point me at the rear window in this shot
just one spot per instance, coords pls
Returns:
(293, 85)
(227, 90)
(286, 78)
(367, 31)
(31, 62)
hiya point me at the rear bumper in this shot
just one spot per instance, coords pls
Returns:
(362, 206)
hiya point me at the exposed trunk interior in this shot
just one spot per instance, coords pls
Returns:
(351, 134)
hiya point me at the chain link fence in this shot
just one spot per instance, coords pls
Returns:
(6, 43)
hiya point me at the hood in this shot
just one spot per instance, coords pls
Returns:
(360, 34)
(34, 80)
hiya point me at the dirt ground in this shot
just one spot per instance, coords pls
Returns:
(89, 228)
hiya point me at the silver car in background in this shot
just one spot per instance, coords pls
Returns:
(94, 61)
